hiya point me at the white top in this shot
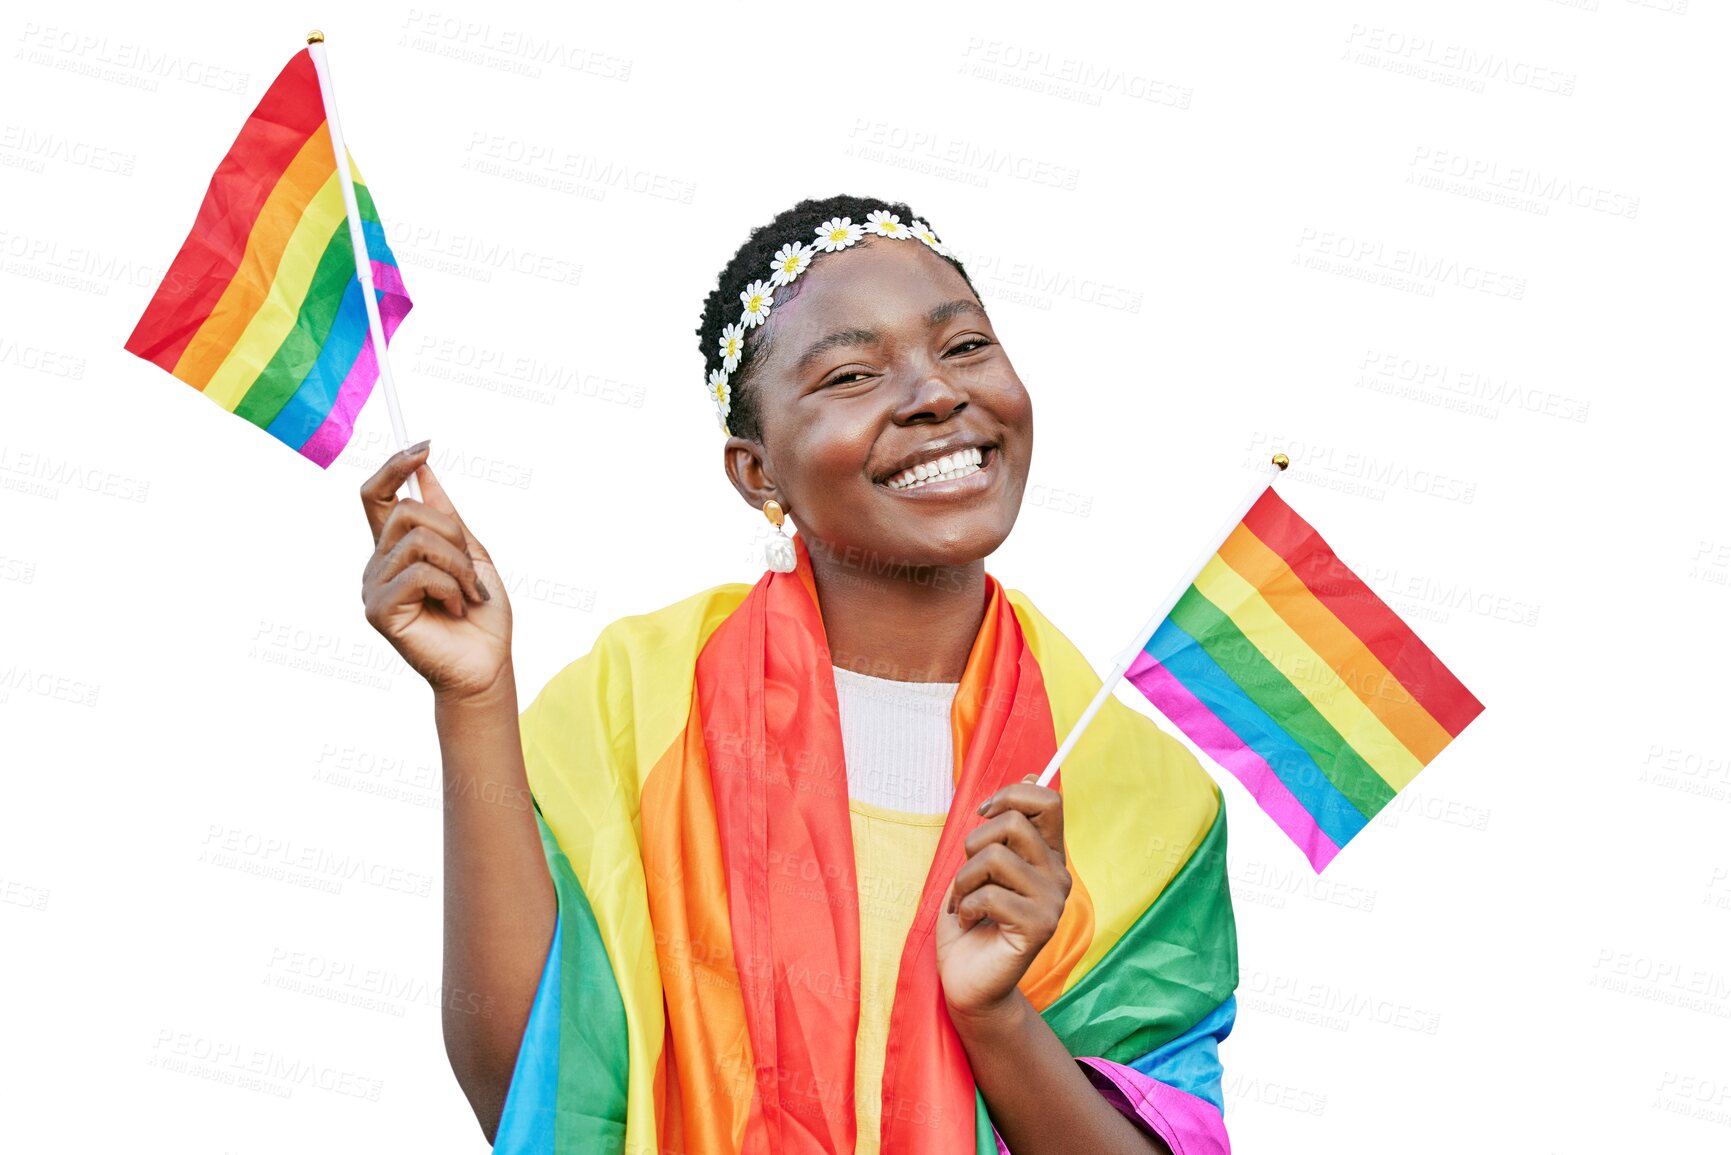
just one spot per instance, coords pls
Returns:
(895, 738)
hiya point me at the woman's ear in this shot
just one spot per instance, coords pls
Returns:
(744, 461)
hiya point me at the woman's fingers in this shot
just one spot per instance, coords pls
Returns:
(394, 520)
(1043, 807)
(1003, 906)
(438, 499)
(997, 865)
(1018, 850)
(410, 515)
(379, 492)
(421, 543)
(1016, 831)
(426, 579)
(417, 583)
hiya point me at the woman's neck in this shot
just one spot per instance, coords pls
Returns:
(913, 625)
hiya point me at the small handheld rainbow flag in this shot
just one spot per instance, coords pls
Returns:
(1286, 669)
(266, 309)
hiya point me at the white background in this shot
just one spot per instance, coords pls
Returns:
(1465, 263)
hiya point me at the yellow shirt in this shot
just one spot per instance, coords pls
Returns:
(893, 852)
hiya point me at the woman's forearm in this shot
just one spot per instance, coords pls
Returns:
(500, 906)
(1038, 1097)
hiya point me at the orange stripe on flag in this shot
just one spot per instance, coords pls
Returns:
(246, 292)
(1334, 643)
(688, 908)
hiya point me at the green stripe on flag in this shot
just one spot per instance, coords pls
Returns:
(594, 1048)
(295, 357)
(1176, 963)
(985, 1138)
(1277, 697)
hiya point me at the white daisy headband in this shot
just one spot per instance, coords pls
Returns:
(790, 261)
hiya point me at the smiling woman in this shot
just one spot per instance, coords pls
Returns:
(783, 880)
(879, 358)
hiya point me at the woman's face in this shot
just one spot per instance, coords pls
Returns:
(882, 359)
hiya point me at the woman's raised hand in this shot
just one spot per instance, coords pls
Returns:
(430, 587)
(1005, 901)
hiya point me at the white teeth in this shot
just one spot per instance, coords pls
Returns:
(958, 464)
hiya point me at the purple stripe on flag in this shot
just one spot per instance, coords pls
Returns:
(394, 303)
(339, 425)
(1189, 1125)
(1218, 741)
(388, 279)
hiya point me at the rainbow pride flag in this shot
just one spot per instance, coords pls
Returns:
(702, 990)
(1291, 673)
(262, 308)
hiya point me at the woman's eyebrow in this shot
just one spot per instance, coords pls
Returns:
(841, 337)
(954, 308)
(835, 340)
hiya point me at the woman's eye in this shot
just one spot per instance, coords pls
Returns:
(843, 378)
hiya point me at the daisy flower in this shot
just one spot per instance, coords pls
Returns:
(924, 231)
(887, 224)
(757, 299)
(790, 261)
(838, 233)
(719, 391)
(732, 345)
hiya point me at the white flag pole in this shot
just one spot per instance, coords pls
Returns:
(1125, 659)
(363, 263)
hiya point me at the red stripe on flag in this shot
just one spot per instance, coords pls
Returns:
(290, 112)
(1359, 609)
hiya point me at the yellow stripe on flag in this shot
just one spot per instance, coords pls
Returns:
(1321, 686)
(1376, 687)
(275, 319)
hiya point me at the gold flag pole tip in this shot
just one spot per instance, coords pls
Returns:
(315, 37)
(1280, 460)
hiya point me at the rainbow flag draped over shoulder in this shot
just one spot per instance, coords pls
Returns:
(1289, 671)
(261, 310)
(701, 991)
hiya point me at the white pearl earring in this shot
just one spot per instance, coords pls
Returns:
(778, 550)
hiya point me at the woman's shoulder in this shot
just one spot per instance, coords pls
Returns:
(657, 642)
(675, 624)
(635, 680)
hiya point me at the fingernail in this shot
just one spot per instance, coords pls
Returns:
(981, 808)
(482, 586)
(418, 446)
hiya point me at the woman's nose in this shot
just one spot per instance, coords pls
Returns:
(934, 396)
